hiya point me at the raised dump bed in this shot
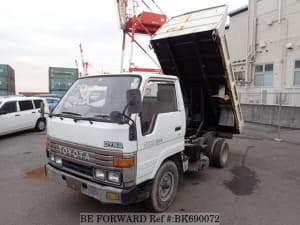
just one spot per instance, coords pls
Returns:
(193, 47)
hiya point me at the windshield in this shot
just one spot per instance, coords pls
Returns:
(97, 96)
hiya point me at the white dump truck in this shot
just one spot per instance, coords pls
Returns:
(149, 129)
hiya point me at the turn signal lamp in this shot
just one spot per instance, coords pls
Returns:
(124, 162)
(47, 143)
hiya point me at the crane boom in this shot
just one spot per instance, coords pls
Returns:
(121, 8)
(132, 23)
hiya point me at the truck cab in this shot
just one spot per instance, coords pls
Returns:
(107, 152)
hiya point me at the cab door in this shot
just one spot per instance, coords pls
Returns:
(160, 126)
(37, 107)
(9, 118)
(27, 113)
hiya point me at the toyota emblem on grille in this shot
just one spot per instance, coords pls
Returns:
(73, 153)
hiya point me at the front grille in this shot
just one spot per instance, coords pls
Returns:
(86, 155)
(78, 168)
(82, 159)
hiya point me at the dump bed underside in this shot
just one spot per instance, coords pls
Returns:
(199, 60)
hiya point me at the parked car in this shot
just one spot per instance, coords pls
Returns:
(52, 100)
(21, 113)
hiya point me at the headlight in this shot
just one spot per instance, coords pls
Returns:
(114, 177)
(58, 160)
(99, 174)
(55, 159)
(52, 157)
(107, 176)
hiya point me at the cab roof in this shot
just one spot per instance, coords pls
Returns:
(17, 98)
(145, 76)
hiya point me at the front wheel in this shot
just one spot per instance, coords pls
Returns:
(40, 125)
(164, 187)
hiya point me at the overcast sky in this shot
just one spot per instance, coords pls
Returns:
(36, 34)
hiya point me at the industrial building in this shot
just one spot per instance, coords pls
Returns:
(264, 45)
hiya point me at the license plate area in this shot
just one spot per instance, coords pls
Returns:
(74, 184)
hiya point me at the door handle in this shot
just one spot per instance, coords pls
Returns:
(177, 128)
(33, 112)
(17, 115)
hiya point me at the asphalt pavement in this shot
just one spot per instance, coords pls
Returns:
(260, 185)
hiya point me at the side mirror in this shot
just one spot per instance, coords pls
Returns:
(3, 112)
(134, 101)
(42, 109)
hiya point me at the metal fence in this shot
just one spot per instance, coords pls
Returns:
(271, 98)
(281, 109)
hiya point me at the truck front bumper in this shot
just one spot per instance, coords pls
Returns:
(104, 194)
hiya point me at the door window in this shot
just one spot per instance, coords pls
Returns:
(158, 97)
(9, 107)
(37, 103)
(25, 105)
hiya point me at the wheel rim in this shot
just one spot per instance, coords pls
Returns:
(224, 156)
(41, 125)
(166, 186)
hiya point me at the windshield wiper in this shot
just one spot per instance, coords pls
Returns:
(102, 115)
(72, 113)
(74, 116)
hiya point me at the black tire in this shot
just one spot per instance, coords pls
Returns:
(40, 125)
(211, 143)
(160, 198)
(221, 153)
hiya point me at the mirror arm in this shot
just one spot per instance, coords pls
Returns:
(129, 119)
(126, 107)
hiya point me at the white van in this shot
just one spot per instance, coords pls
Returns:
(21, 113)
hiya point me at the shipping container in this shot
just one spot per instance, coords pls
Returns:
(7, 80)
(7, 83)
(59, 93)
(60, 79)
(63, 72)
(6, 93)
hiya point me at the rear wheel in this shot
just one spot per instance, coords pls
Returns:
(210, 146)
(40, 125)
(164, 187)
(221, 153)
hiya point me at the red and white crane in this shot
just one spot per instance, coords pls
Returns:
(85, 64)
(131, 23)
